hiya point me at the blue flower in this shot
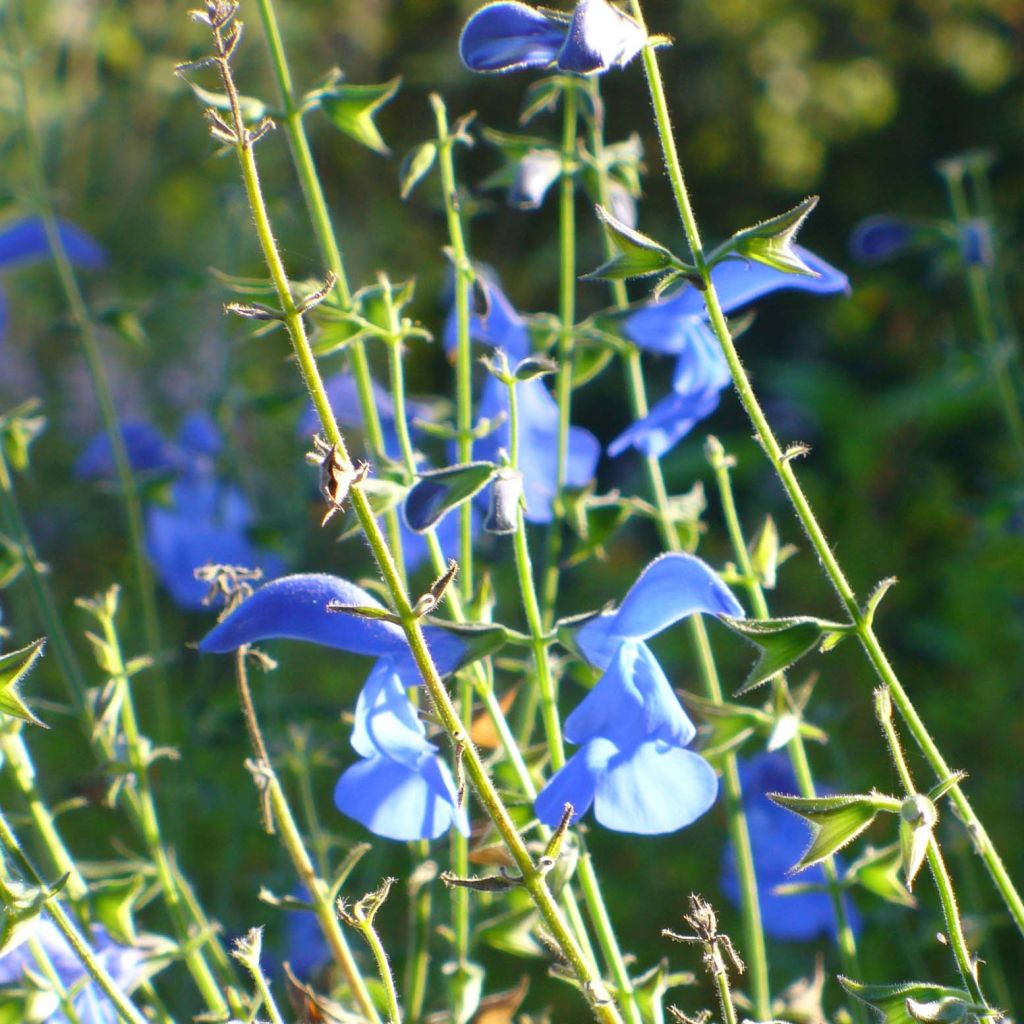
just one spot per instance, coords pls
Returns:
(24, 241)
(400, 789)
(500, 326)
(778, 841)
(632, 764)
(126, 965)
(677, 325)
(536, 172)
(882, 237)
(510, 36)
(207, 520)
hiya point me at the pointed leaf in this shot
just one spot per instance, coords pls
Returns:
(11, 561)
(352, 109)
(636, 254)
(114, 901)
(878, 871)
(415, 166)
(835, 821)
(13, 669)
(771, 241)
(764, 553)
(782, 642)
(252, 109)
(436, 493)
(478, 639)
(891, 1000)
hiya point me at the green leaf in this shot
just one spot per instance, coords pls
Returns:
(891, 1000)
(436, 493)
(352, 108)
(541, 96)
(878, 871)
(252, 109)
(771, 241)
(18, 430)
(13, 669)
(465, 987)
(11, 561)
(415, 166)
(835, 821)
(782, 642)
(636, 254)
(114, 901)
(481, 639)
(512, 932)
(534, 367)
(764, 553)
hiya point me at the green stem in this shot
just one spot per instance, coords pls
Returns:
(263, 988)
(566, 326)
(782, 464)
(45, 965)
(91, 350)
(125, 1008)
(417, 967)
(533, 880)
(796, 747)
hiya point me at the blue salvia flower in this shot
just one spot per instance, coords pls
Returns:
(24, 241)
(207, 520)
(126, 965)
(500, 326)
(400, 789)
(778, 840)
(536, 172)
(884, 237)
(510, 36)
(306, 950)
(677, 325)
(632, 764)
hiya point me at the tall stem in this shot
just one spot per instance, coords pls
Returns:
(533, 880)
(782, 464)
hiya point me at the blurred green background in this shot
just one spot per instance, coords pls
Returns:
(911, 469)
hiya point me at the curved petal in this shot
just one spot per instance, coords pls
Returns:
(535, 174)
(632, 702)
(653, 789)
(24, 241)
(199, 436)
(386, 722)
(148, 452)
(295, 607)
(668, 422)
(575, 783)
(398, 803)
(880, 238)
(447, 651)
(508, 36)
(597, 641)
(701, 366)
(670, 588)
(499, 325)
(600, 36)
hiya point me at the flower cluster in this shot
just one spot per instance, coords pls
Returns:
(677, 325)
(400, 789)
(632, 764)
(207, 519)
(510, 36)
(500, 326)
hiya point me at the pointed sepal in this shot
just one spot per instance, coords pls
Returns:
(13, 669)
(918, 818)
(772, 241)
(912, 1002)
(636, 255)
(352, 109)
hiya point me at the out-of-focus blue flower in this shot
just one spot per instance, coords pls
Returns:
(24, 241)
(125, 965)
(778, 840)
(536, 172)
(206, 521)
(510, 36)
(400, 789)
(977, 247)
(500, 326)
(677, 325)
(882, 237)
(632, 764)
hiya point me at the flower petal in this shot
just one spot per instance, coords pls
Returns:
(669, 589)
(600, 36)
(668, 422)
(535, 174)
(498, 326)
(386, 722)
(399, 803)
(575, 783)
(24, 241)
(508, 36)
(148, 452)
(632, 703)
(653, 789)
(296, 607)
(880, 238)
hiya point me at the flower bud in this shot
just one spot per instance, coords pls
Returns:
(506, 494)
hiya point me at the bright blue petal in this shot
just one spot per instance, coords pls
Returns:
(668, 422)
(632, 702)
(498, 326)
(535, 174)
(881, 238)
(24, 241)
(575, 783)
(669, 589)
(701, 366)
(148, 452)
(296, 607)
(305, 947)
(199, 436)
(653, 789)
(400, 803)
(663, 325)
(386, 722)
(597, 640)
(977, 246)
(508, 36)
(416, 551)
(600, 36)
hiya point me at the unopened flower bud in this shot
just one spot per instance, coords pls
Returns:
(506, 494)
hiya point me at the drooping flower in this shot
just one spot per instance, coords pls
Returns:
(206, 521)
(500, 326)
(511, 36)
(778, 840)
(24, 241)
(633, 765)
(677, 325)
(126, 965)
(400, 789)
